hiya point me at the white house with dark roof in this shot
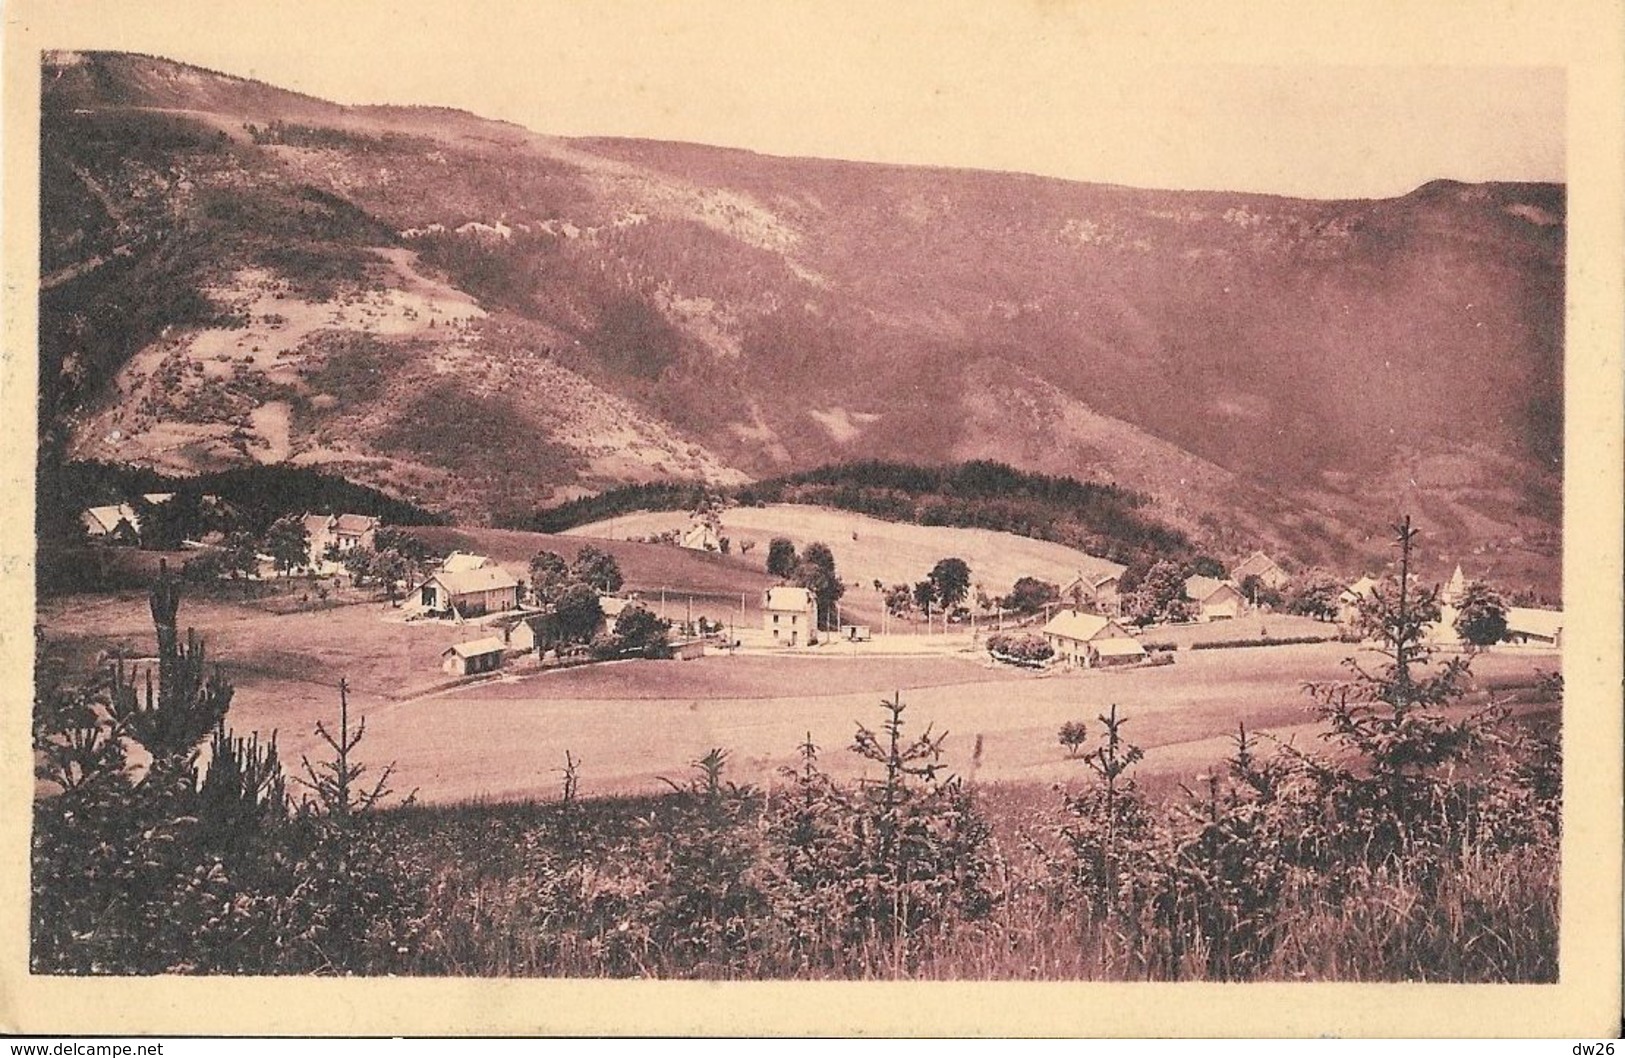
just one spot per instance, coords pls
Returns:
(1075, 636)
(470, 593)
(790, 615)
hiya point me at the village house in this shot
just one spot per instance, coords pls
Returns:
(340, 532)
(1348, 602)
(700, 537)
(612, 606)
(1075, 636)
(1260, 565)
(117, 523)
(475, 656)
(1527, 626)
(1214, 599)
(790, 615)
(470, 593)
(523, 633)
(1096, 591)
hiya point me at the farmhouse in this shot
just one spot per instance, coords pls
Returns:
(471, 592)
(1098, 591)
(1075, 636)
(790, 615)
(1215, 599)
(700, 537)
(341, 532)
(1532, 627)
(1263, 567)
(118, 523)
(478, 655)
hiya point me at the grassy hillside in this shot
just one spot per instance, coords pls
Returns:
(552, 317)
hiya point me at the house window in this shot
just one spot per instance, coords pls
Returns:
(793, 618)
(775, 618)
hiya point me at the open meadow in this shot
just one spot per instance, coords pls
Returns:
(868, 549)
(630, 723)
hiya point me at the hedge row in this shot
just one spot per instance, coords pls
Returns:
(1281, 641)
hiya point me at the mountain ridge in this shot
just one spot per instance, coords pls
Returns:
(722, 314)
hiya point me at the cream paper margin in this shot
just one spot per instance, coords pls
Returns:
(1586, 37)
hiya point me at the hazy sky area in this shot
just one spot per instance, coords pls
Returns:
(1043, 88)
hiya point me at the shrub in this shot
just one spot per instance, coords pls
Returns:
(1019, 647)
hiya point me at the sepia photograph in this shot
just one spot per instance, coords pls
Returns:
(536, 494)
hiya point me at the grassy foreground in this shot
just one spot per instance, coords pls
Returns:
(1420, 844)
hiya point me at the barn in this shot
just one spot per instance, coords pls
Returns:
(470, 592)
(475, 656)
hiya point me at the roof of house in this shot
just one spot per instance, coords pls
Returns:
(463, 561)
(108, 517)
(355, 523)
(1119, 646)
(1201, 589)
(789, 597)
(612, 605)
(1257, 562)
(1075, 624)
(1524, 619)
(699, 536)
(476, 647)
(156, 498)
(317, 523)
(466, 582)
(1360, 589)
(1093, 581)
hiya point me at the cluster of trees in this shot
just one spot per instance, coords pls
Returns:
(1022, 647)
(942, 590)
(1156, 594)
(1030, 595)
(147, 860)
(570, 592)
(813, 569)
